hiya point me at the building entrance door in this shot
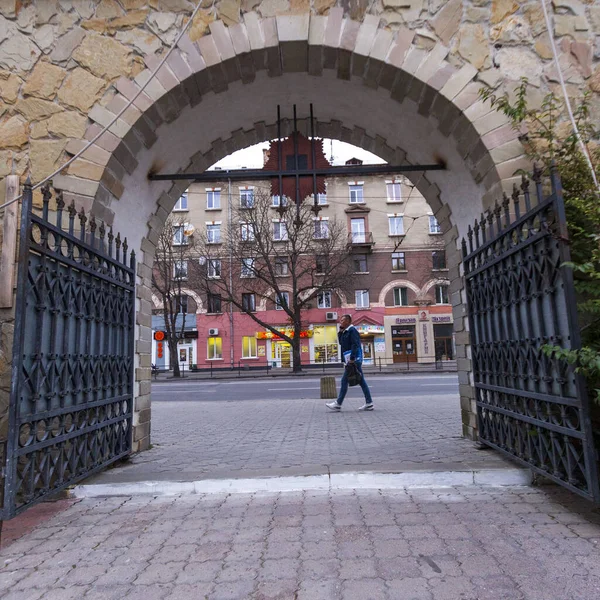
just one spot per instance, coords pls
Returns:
(404, 347)
(187, 356)
(282, 354)
(367, 348)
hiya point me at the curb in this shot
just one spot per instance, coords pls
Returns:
(333, 481)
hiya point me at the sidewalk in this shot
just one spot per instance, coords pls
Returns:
(434, 544)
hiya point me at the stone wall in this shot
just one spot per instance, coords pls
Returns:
(68, 67)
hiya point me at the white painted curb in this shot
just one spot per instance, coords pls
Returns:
(335, 481)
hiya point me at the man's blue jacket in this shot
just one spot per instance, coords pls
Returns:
(349, 339)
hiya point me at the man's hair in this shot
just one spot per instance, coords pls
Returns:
(347, 316)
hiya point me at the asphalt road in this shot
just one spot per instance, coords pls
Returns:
(430, 384)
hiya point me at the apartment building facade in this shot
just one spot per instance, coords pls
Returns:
(399, 296)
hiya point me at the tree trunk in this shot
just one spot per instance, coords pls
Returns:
(174, 359)
(297, 343)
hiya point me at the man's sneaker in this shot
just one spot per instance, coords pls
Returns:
(333, 405)
(368, 406)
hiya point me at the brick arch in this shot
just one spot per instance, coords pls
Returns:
(397, 283)
(406, 87)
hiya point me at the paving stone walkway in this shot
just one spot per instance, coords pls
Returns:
(435, 544)
(291, 436)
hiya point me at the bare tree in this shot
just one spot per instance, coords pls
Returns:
(287, 255)
(172, 272)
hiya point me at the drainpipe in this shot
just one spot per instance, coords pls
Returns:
(231, 356)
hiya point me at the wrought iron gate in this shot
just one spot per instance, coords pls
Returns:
(521, 297)
(71, 402)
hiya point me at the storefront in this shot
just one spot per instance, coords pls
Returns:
(278, 351)
(325, 344)
(186, 346)
(404, 347)
(371, 338)
(443, 335)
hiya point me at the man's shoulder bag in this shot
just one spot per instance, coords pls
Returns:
(353, 374)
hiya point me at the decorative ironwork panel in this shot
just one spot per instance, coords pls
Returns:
(71, 404)
(520, 298)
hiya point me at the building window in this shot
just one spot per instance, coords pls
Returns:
(394, 191)
(182, 203)
(281, 266)
(180, 269)
(356, 194)
(249, 302)
(214, 348)
(213, 234)
(357, 226)
(362, 298)
(396, 225)
(441, 294)
(434, 226)
(324, 300)
(181, 303)
(321, 265)
(214, 268)
(179, 239)
(360, 263)
(322, 198)
(282, 300)
(439, 259)
(247, 198)
(280, 233)
(213, 199)
(400, 296)
(321, 229)
(214, 303)
(326, 344)
(249, 347)
(247, 267)
(247, 232)
(277, 201)
(398, 261)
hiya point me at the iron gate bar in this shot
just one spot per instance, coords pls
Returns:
(520, 296)
(71, 405)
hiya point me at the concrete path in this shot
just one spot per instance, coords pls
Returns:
(290, 436)
(435, 544)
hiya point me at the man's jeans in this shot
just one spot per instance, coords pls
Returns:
(363, 385)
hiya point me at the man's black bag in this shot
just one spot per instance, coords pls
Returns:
(353, 374)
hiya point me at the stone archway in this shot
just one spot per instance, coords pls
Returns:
(218, 94)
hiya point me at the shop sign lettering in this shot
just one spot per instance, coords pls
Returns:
(401, 320)
(446, 319)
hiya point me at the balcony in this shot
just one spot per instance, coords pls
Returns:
(361, 240)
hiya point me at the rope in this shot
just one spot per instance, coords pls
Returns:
(118, 116)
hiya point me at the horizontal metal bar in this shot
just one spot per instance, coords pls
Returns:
(562, 482)
(256, 174)
(531, 395)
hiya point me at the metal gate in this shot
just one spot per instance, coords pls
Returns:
(521, 297)
(71, 402)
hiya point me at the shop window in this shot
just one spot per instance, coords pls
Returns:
(249, 347)
(438, 259)
(326, 344)
(214, 348)
(324, 300)
(282, 301)
(249, 302)
(360, 263)
(214, 303)
(362, 298)
(398, 261)
(400, 296)
(441, 294)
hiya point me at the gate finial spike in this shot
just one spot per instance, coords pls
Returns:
(60, 201)
(101, 230)
(537, 174)
(524, 183)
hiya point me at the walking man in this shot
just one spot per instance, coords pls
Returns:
(349, 339)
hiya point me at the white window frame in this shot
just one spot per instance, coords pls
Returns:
(324, 299)
(182, 204)
(247, 268)
(214, 268)
(278, 305)
(285, 271)
(213, 194)
(212, 226)
(398, 258)
(245, 191)
(251, 347)
(179, 238)
(276, 201)
(356, 192)
(214, 343)
(323, 226)
(180, 265)
(398, 296)
(439, 294)
(434, 226)
(359, 233)
(361, 297)
(322, 199)
(247, 232)
(395, 220)
(395, 187)
(280, 232)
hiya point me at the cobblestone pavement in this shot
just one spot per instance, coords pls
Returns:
(441, 544)
(204, 439)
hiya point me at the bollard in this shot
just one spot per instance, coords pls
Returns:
(328, 389)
